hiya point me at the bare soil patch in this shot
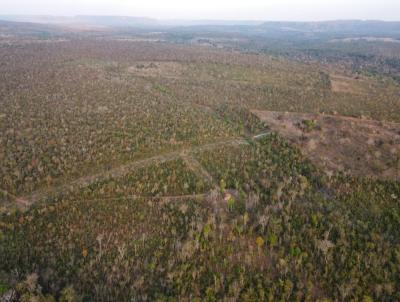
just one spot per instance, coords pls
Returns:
(341, 144)
(341, 83)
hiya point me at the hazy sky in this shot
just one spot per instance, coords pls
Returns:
(213, 9)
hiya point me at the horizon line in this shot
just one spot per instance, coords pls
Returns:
(199, 19)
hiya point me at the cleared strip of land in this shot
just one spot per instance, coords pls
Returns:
(349, 145)
(26, 201)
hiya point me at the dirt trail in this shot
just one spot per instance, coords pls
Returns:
(197, 168)
(261, 135)
(157, 198)
(26, 201)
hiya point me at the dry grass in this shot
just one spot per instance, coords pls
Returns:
(341, 144)
(346, 84)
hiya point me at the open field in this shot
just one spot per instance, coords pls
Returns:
(341, 144)
(138, 170)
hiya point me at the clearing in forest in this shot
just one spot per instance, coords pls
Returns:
(346, 84)
(158, 69)
(341, 144)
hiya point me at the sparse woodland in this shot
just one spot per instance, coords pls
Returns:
(153, 186)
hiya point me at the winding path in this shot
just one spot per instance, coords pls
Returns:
(24, 202)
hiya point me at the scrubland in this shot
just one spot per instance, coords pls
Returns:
(138, 171)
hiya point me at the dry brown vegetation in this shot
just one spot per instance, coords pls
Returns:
(158, 69)
(346, 84)
(144, 175)
(341, 144)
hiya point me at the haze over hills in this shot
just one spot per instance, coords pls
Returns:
(334, 26)
(123, 21)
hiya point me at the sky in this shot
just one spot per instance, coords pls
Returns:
(283, 10)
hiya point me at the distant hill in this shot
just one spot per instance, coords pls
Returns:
(116, 20)
(36, 19)
(108, 21)
(340, 26)
(123, 21)
(28, 29)
(276, 29)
